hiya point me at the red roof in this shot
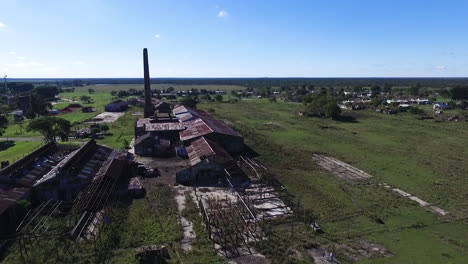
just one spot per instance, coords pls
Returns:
(203, 148)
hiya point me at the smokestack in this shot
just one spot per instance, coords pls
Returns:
(148, 102)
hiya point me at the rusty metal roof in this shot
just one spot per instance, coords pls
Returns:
(201, 127)
(203, 148)
(147, 125)
(10, 197)
(164, 126)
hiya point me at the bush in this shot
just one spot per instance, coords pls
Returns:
(332, 110)
(416, 111)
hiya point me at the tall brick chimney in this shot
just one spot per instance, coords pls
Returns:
(148, 103)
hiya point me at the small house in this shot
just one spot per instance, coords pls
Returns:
(87, 109)
(54, 112)
(117, 106)
(18, 116)
(441, 106)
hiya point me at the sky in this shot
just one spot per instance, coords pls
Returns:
(234, 38)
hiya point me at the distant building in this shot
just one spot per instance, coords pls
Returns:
(117, 106)
(87, 109)
(54, 112)
(161, 106)
(18, 116)
(441, 106)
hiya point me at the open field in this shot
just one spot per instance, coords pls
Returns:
(422, 157)
(177, 87)
(14, 150)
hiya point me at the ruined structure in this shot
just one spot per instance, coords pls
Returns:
(207, 160)
(61, 175)
(167, 130)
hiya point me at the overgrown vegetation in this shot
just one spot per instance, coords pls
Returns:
(203, 251)
(421, 157)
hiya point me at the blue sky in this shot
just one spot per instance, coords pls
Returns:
(236, 38)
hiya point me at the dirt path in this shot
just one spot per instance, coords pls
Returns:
(317, 255)
(421, 202)
(187, 226)
(354, 176)
(341, 169)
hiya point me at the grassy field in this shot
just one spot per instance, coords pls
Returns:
(14, 150)
(178, 87)
(423, 158)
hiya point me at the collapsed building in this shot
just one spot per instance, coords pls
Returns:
(58, 173)
(170, 130)
(207, 163)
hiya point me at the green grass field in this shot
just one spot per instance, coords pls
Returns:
(423, 158)
(14, 150)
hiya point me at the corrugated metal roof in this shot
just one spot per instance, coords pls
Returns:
(185, 114)
(205, 125)
(203, 148)
(164, 126)
(10, 197)
(147, 125)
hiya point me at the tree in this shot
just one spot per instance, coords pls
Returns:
(375, 89)
(189, 102)
(122, 93)
(376, 102)
(90, 90)
(206, 97)
(387, 88)
(46, 91)
(459, 93)
(414, 90)
(272, 99)
(332, 110)
(316, 106)
(35, 105)
(51, 128)
(416, 110)
(218, 98)
(86, 99)
(3, 118)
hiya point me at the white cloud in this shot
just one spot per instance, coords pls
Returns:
(2, 26)
(25, 64)
(12, 53)
(157, 36)
(21, 58)
(78, 62)
(223, 13)
(440, 67)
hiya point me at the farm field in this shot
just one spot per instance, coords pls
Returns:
(423, 158)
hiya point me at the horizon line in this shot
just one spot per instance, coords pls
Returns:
(338, 77)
